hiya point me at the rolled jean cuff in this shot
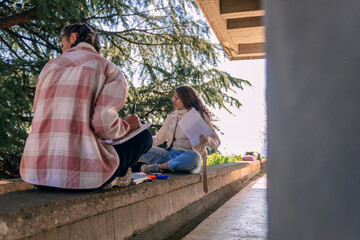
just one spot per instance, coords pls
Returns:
(171, 167)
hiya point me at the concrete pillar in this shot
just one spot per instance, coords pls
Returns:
(313, 103)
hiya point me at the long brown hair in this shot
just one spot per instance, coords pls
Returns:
(84, 34)
(190, 98)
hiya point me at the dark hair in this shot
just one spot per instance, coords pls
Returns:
(84, 34)
(190, 98)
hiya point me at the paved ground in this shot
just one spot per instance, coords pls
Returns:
(244, 216)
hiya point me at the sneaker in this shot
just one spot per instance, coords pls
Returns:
(121, 181)
(150, 168)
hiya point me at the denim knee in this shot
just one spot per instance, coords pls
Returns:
(196, 156)
(155, 155)
(196, 161)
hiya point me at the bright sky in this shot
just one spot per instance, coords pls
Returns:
(244, 131)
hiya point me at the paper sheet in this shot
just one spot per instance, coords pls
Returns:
(193, 125)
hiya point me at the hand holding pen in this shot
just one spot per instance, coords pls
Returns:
(133, 120)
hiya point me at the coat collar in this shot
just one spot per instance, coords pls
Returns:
(84, 46)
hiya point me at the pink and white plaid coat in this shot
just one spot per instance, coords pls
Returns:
(78, 96)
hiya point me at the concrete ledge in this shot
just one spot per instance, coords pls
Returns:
(116, 213)
(12, 185)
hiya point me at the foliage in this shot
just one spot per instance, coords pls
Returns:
(158, 44)
(218, 158)
(15, 109)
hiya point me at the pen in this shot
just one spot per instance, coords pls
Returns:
(134, 108)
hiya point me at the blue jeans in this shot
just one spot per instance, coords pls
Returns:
(179, 161)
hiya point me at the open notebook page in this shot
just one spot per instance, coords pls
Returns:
(193, 125)
(129, 135)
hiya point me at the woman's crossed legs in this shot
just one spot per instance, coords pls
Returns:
(174, 160)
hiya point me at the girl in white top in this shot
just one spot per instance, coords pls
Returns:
(180, 155)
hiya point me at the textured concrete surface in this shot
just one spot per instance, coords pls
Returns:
(244, 216)
(42, 215)
(12, 185)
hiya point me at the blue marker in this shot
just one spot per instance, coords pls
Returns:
(162, 176)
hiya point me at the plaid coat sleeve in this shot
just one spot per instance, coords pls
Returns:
(105, 119)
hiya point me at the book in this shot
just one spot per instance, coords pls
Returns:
(129, 135)
(139, 177)
(193, 125)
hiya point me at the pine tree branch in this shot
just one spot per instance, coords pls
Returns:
(164, 94)
(25, 119)
(29, 39)
(153, 109)
(136, 30)
(95, 16)
(46, 40)
(9, 47)
(23, 17)
(142, 13)
(19, 38)
(118, 34)
(128, 56)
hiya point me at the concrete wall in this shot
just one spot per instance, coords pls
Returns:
(119, 213)
(313, 97)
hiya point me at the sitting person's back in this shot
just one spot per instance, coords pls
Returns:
(78, 96)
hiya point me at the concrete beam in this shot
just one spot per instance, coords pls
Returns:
(251, 48)
(241, 8)
(211, 11)
(244, 22)
(248, 35)
(235, 22)
(248, 57)
(231, 6)
(258, 13)
(250, 51)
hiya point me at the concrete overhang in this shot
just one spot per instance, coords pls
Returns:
(238, 25)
